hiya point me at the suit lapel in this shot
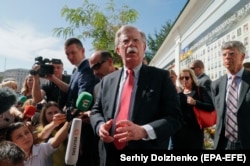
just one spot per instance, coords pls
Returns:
(142, 85)
(222, 94)
(244, 87)
(114, 82)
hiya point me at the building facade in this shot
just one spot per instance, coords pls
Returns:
(199, 31)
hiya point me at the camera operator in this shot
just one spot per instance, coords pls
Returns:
(52, 89)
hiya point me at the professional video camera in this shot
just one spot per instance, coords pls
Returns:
(45, 67)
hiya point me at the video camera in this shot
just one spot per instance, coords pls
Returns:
(46, 68)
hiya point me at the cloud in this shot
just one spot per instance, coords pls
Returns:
(21, 43)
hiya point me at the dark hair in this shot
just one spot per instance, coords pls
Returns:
(43, 120)
(11, 128)
(198, 63)
(7, 98)
(56, 61)
(71, 41)
(11, 153)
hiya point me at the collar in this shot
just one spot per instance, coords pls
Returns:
(201, 75)
(239, 74)
(80, 62)
(136, 70)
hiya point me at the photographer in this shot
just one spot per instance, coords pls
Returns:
(51, 90)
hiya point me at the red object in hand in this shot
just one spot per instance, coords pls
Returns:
(29, 111)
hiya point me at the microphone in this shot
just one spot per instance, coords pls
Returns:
(7, 99)
(35, 118)
(84, 101)
(29, 111)
(73, 145)
(21, 100)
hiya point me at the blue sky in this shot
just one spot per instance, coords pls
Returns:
(26, 27)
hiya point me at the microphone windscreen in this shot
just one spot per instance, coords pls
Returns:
(72, 151)
(29, 111)
(22, 99)
(7, 99)
(35, 118)
(84, 101)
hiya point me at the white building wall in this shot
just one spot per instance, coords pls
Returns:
(199, 32)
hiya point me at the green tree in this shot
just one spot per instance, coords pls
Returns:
(155, 42)
(95, 23)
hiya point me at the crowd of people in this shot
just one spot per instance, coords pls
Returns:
(135, 107)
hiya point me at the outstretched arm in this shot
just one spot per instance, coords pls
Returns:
(60, 136)
(47, 130)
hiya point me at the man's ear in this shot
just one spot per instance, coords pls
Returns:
(145, 47)
(117, 51)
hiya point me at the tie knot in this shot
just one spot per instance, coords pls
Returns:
(234, 78)
(130, 72)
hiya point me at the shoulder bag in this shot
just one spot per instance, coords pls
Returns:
(205, 119)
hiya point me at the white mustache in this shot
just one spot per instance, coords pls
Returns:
(132, 49)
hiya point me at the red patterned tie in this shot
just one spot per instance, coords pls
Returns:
(125, 103)
(231, 128)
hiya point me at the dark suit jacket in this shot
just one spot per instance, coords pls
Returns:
(156, 104)
(83, 79)
(204, 80)
(218, 89)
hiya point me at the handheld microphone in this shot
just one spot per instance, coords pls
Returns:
(29, 111)
(73, 145)
(35, 118)
(7, 99)
(82, 104)
(21, 100)
(84, 101)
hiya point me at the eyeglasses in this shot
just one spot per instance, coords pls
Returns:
(98, 65)
(185, 77)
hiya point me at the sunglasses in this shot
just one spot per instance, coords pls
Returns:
(98, 65)
(185, 77)
(193, 68)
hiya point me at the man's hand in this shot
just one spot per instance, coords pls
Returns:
(84, 116)
(104, 132)
(127, 130)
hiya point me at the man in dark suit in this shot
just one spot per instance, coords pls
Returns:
(101, 62)
(154, 111)
(83, 79)
(232, 133)
(203, 79)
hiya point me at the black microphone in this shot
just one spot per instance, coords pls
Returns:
(7, 99)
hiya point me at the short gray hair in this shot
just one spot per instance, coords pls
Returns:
(234, 44)
(127, 27)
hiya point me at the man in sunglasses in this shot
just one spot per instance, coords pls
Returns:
(101, 62)
(203, 79)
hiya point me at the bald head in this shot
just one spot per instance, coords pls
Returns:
(102, 63)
